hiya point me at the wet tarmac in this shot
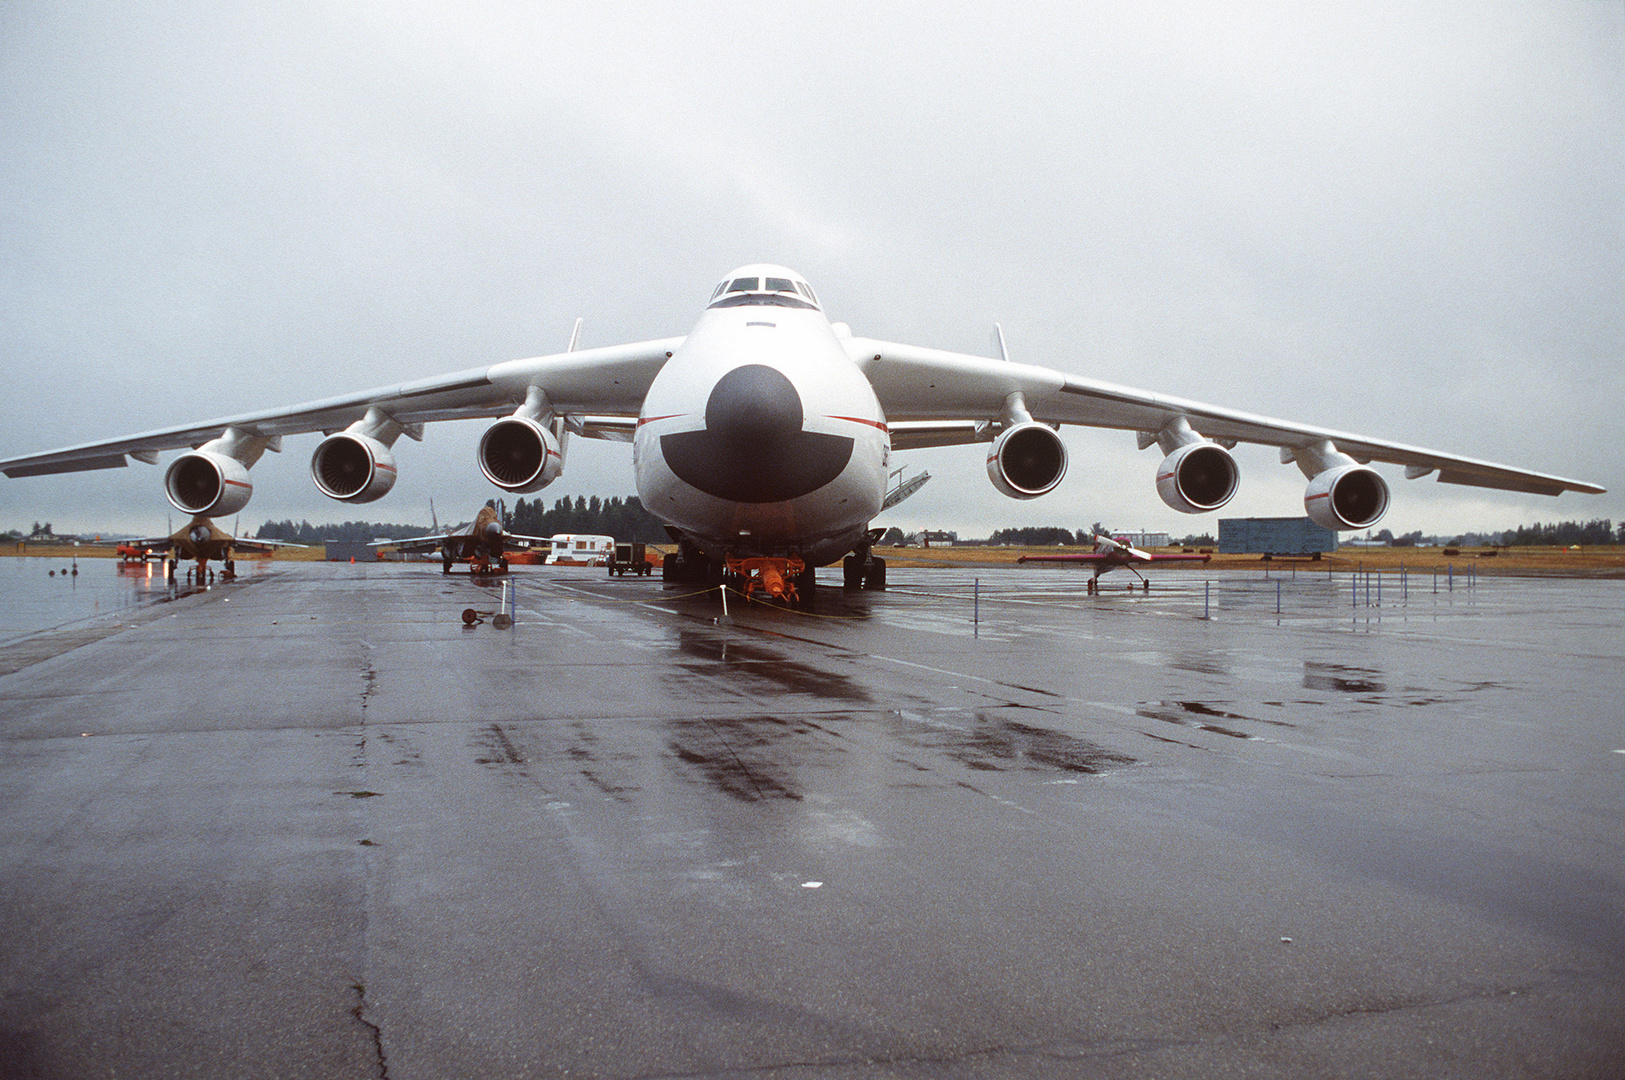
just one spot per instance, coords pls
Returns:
(311, 824)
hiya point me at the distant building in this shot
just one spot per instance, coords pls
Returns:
(349, 550)
(1143, 539)
(1274, 536)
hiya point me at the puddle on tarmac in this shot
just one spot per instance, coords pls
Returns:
(1341, 679)
(750, 758)
(1189, 714)
(755, 669)
(996, 743)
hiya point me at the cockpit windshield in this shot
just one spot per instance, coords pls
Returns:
(764, 290)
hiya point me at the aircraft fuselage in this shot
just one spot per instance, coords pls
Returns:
(761, 436)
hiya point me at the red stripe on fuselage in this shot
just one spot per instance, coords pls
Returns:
(881, 424)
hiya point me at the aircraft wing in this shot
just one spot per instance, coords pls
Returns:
(526, 541)
(150, 542)
(254, 543)
(431, 542)
(1091, 557)
(931, 395)
(610, 381)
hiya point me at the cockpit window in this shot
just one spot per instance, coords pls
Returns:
(764, 292)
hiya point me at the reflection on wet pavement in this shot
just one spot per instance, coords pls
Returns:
(750, 758)
(1341, 679)
(996, 743)
(751, 668)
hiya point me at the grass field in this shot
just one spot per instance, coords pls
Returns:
(1599, 562)
(1531, 561)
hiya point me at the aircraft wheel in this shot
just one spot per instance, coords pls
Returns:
(851, 572)
(874, 576)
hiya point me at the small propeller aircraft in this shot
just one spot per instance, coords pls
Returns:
(483, 543)
(1111, 554)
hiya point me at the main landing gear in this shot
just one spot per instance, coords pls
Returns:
(1094, 585)
(863, 570)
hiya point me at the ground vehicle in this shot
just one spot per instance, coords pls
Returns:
(581, 549)
(630, 558)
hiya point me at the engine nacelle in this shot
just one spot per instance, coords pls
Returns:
(1347, 497)
(1198, 477)
(206, 483)
(518, 454)
(352, 467)
(1026, 461)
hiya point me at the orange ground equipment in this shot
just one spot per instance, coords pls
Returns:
(769, 579)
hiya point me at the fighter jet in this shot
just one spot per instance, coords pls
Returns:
(483, 544)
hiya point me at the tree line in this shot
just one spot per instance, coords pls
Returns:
(349, 531)
(1565, 533)
(624, 519)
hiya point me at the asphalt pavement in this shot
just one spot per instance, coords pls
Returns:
(980, 824)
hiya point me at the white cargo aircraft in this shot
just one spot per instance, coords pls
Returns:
(768, 431)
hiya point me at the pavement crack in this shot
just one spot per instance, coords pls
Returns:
(1400, 1005)
(381, 1063)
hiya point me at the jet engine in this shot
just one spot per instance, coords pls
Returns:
(1027, 460)
(1346, 497)
(352, 467)
(1198, 477)
(207, 483)
(521, 455)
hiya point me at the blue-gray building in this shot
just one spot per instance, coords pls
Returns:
(1274, 536)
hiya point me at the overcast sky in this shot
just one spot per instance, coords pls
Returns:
(1404, 220)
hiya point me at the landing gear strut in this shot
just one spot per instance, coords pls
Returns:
(863, 570)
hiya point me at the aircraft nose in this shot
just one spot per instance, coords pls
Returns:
(753, 404)
(752, 448)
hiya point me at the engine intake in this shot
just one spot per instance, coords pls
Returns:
(1027, 461)
(352, 467)
(1347, 497)
(206, 483)
(520, 455)
(1198, 477)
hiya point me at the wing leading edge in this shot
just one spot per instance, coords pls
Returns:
(937, 398)
(610, 381)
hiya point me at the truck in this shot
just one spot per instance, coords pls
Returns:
(630, 558)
